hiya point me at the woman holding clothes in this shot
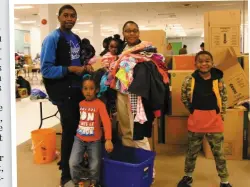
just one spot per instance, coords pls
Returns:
(148, 87)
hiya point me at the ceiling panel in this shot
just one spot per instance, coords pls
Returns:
(152, 15)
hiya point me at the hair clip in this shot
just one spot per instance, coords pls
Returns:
(86, 75)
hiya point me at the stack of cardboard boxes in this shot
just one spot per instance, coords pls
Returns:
(222, 39)
(223, 43)
(236, 120)
(236, 79)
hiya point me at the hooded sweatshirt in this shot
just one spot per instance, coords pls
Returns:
(205, 113)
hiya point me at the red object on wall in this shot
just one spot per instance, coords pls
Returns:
(44, 21)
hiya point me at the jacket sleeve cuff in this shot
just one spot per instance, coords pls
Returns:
(65, 71)
(157, 113)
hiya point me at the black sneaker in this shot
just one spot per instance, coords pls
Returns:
(225, 185)
(185, 182)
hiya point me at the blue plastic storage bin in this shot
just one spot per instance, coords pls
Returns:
(127, 167)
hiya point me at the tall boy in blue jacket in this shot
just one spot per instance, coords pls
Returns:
(62, 70)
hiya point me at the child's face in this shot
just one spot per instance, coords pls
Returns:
(89, 90)
(113, 47)
(204, 63)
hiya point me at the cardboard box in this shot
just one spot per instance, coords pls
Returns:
(177, 78)
(246, 65)
(234, 77)
(176, 130)
(248, 132)
(175, 136)
(157, 37)
(222, 30)
(233, 136)
(183, 62)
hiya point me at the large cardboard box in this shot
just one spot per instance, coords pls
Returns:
(176, 130)
(175, 136)
(233, 135)
(222, 30)
(246, 65)
(177, 78)
(234, 77)
(157, 37)
(183, 62)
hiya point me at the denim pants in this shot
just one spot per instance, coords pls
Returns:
(93, 150)
(69, 112)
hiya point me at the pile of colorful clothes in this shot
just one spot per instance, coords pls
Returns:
(140, 73)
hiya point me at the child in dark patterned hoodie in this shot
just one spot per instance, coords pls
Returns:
(204, 95)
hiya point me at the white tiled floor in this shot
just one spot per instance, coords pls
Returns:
(28, 114)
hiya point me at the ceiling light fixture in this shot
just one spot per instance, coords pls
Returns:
(23, 7)
(106, 28)
(27, 22)
(84, 23)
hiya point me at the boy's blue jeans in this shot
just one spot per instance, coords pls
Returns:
(93, 150)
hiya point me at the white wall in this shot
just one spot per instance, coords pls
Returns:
(35, 41)
(192, 43)
(35, 46)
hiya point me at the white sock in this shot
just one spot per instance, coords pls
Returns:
(224, 182)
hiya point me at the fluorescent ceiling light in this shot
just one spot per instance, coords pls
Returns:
(23, 7)
(106, 27)
(75, 29)
(16, 18)
(27, 22)
(84, 23)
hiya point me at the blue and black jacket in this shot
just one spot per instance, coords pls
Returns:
(55, 59)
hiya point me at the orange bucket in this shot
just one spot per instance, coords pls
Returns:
(44, 145)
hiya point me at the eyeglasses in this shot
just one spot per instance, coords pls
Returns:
(130, 31)
(206, 62)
